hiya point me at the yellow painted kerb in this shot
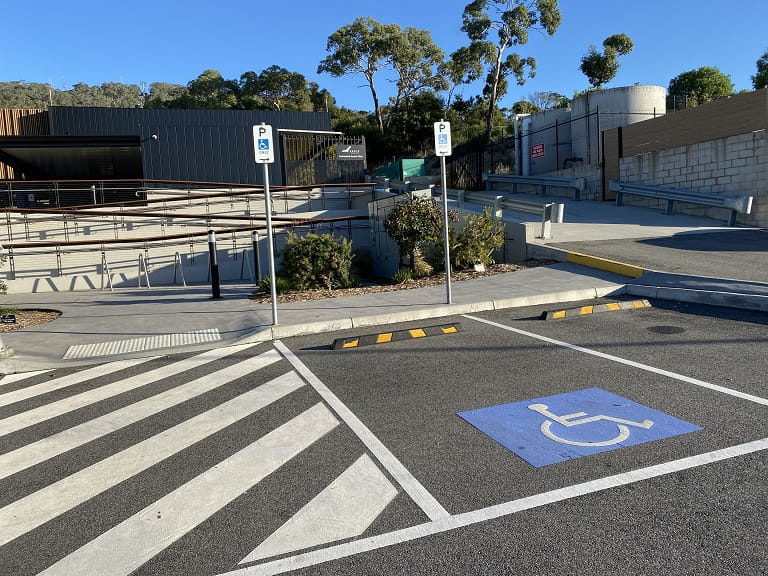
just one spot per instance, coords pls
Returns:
(605, 264)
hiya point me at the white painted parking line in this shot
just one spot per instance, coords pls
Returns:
(39, 507)
(45, 448)
(124, 548)
(674, 375)
(343, 510)
(498, 511)
(61, 407)
(67, 381)
(428, 504)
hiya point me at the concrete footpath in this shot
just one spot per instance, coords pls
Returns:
(99, 326)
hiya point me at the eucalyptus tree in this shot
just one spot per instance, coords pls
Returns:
(760, 79)
(362, 47)
(495, 26)
(696, 87)
(416, 60)
(602, 67)
(283, 90)
(210, 91)
(20, 94)
(464, 66)
(368, 47)
(164, 95)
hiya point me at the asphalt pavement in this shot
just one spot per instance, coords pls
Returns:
(669, 256)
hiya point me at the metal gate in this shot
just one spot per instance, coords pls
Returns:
(322, 158)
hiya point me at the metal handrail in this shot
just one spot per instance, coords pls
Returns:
(548, 211)
(143, 262)
(245, 263)
(177, 260)
(105, 266)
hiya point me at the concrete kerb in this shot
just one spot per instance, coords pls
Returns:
(710, 297)
(436, 311)
(657, 289)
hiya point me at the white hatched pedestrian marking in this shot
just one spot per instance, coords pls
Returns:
(343, 510)
(142, 344)
(71, 380)
(32, 511)
(415, 489)
(54, 409)
(11, 378)
(127, 546)
(45, 448)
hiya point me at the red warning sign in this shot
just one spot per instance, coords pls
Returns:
(537, 151)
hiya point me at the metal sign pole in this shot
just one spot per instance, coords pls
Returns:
(265, 154)
(443, 149)
(270, 245)
(446, 243)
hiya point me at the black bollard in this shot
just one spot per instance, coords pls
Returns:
(215, 286)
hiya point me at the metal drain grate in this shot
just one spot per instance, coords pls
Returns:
(142, 344)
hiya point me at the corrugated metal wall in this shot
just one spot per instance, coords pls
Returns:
(199, 145)
(21, 122)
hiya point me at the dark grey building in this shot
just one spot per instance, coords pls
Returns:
(188, 145)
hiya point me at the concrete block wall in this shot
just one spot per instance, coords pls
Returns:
(733, 165)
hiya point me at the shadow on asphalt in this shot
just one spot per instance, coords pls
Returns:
(718, 241)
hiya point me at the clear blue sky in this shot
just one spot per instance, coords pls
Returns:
(96, 41)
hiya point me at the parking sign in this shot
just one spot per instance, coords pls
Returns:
(262, 143)
(442, 138)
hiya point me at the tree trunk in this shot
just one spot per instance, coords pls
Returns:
(376, 108)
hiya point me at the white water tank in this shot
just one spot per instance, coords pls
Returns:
(599, 110)
(548, 141)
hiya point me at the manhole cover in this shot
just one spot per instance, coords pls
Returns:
(666, 329)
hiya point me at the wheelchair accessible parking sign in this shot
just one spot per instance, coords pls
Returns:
(548, 430)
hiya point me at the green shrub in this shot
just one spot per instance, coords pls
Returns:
(282, 285)
(415, 225)
(317, 261)
(403, 275)
(481, 235)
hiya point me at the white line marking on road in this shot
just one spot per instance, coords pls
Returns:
(662, 372)
(39, 507)
(12, 378)
(54, 409)
(343, 510)
(429, 505)
(45, 448)
(122, 549)
(142, 344)
(492, 512)
(71, 380)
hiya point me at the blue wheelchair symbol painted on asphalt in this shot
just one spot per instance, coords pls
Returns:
(545, 431)
(263, 144)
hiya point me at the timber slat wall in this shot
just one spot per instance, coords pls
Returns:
(739, 114)
(21, 122)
